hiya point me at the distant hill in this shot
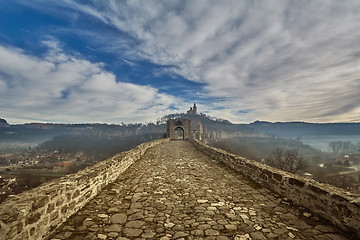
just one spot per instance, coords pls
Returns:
(3, 123)
(301, 129)
(280, 129)
(33, 134)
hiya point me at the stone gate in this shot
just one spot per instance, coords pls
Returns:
(184, 125)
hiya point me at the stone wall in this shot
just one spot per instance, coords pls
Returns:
(184, 124)
(339, 207)
(32, 214)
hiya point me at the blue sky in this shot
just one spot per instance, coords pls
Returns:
(135, 61)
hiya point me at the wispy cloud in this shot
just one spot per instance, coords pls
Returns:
(285, 60)
(92, 49)
(65, 88)
(129, 63)
(277, 60)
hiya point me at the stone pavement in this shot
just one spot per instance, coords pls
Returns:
(176, 192)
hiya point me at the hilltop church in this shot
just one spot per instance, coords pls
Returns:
(192, 110)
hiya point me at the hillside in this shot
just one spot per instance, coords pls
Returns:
(300, 129)
(23, 136)
(33, 134)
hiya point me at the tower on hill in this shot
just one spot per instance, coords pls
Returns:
(192, 110)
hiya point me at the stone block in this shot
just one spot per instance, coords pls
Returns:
(40, 202)
(278, 177)
(317, 189)
(76, 194)
(50, 208)
(54, 215)
(33, 218)
(296, 182)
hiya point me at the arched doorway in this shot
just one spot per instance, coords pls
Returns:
(180, 127)
(179, 133)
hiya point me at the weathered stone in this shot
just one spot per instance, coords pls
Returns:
(335, 236)
(87, 223)
(165, 238)
(242, 237)
(40, 202)
(218, 227)
(257, 236)
(292, 229)
(211, 232)
(114, 210)
(101, 236)
(222, 238)
(68, 228)
(291, 235)
(113, 228)
(324, 229)
(198, 232)
(148, 234)
(54, 215)
(136, 216)
(231, 216)
(296, 182)
(180, 235)
(118, 218)
(188, 222)
(178, 228)
(33, 218)
(209, 213)
(113, 234)
(160, 230)
(204, 226)
(231, 227)
(299, 224)
(132, 232)
(134, 224)
(280, 231)
(169, 225)
(307, 214)
(310, 232)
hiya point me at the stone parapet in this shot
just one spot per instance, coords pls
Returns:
(338, 206)
(32, 214)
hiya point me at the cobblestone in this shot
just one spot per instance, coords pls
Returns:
(176, 192)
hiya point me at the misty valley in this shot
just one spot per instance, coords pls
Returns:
(31, 154)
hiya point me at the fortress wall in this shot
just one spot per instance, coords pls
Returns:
(339, 207)
(32, 214)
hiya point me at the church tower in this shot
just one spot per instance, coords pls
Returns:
(195, 109)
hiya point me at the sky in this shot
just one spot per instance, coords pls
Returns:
(114, 61)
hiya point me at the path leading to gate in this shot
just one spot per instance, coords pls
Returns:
(176, 192)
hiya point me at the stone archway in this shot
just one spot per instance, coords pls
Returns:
(179, 133)
(183, 125)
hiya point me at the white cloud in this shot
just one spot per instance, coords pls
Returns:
(278, 60)
(285, 60)
(64, 88)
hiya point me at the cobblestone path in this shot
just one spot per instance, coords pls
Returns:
(176, 192)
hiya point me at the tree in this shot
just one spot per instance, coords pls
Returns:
(288, 160)
(3, 161)
(60, 150)
(339, 147)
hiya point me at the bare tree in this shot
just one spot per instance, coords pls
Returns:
(340, 147)
(289, 160)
